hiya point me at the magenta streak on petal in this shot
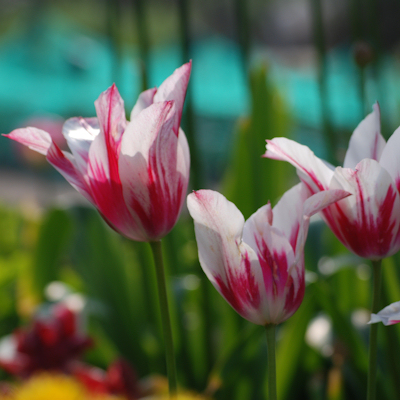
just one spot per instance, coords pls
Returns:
(394, 321)
(294, 234)
(112, 146)
(110, 202)
(159, 216)
(241, 290)
(293, 298)
(274, 268)
(365, 236)
(397, 183)
(57, 158)
(311, 174)
(166, 186)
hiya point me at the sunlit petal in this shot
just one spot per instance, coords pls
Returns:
(314, 172)
(366, 140)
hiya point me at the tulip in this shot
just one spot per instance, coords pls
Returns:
(367, 223)
(136, 173)
(389, 315)
(257, 265)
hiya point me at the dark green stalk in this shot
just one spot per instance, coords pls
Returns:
(184, 29)
(165, 317)
(195, 177)
(189, 127)
(243, 27)
(392, 348)
(373, 335)
(270, 331)
(114, 33)
(143, 41)
(319, 42)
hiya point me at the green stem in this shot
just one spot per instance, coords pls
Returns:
(143, 41)
(320, 46)
(270, 330)
(165, 318)
(373, 335)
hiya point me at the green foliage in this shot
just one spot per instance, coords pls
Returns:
(54, 233)
(251, 180)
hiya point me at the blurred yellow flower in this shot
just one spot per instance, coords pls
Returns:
(46, 386)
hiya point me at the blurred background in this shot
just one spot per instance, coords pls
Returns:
(305, 69)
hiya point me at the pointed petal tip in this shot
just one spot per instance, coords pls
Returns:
(34, 138)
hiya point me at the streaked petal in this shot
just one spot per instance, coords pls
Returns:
(35, 139)
(66, 165)
(80, 133)
(144, 100)
(174, 88)
(230, 264)
(102, 165)
(40, 141)
(388, 316)
(276, 257)
(288, 212)
(367, 222)
(366, 140)
(312, 205)
(314, 172)
(390, 159)
(152, 186)
(112, 122)
(107, 192)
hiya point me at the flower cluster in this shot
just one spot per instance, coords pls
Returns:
(53, 346)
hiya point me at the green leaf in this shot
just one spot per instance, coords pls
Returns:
(251, 180)
(53, 237)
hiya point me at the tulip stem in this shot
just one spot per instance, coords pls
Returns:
(165, 317)
(373, 335)
(270, 330)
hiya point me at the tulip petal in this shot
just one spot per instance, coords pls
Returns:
(368, 222)
(112, 122)
(107, 193)
(145, 100)
(66, 165)
(153, 187)
(366, 140)
(390, 159)
(276, 258)
(36, 139)
(312, 205)
(80, 133)
(288, 212)
(40, 141)
(230, 264)
(102, 166)
(314, 172)
(174, 88)
(389, 315)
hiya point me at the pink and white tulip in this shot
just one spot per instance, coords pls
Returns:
(367, 223)
(389, 315)
(136, 173)
(257, 265)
